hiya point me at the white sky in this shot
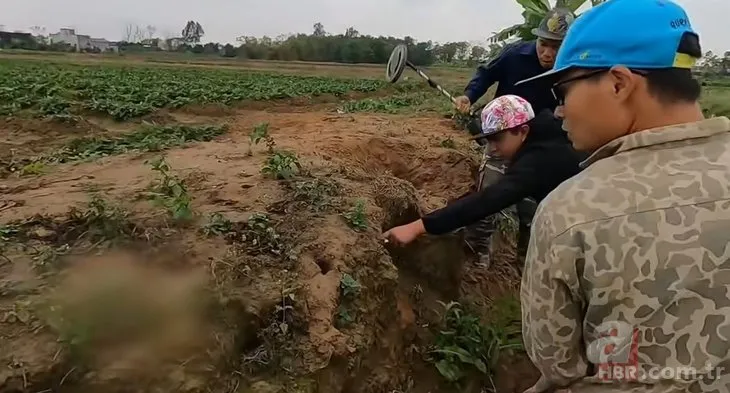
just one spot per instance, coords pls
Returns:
(224, 20)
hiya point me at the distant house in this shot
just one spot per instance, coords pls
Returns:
(171, 44)
(8, 39)
(151, 43)
(103, 44)
(84, 42)
(81, 42)
(66, 36)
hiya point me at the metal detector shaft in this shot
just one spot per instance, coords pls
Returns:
(430, 81)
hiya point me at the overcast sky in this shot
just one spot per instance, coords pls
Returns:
(224, 20)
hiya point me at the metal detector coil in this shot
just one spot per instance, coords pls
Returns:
(399, 61)
(396, 63)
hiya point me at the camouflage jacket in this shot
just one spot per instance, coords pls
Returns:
(628, 269)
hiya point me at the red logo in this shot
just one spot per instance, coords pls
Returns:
(615, 352)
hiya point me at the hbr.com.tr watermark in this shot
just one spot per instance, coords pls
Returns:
(631, 372)
(616, 354)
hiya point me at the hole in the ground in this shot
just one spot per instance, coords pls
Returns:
(400, 217)
(435, 260)
(324, 266)
(247, 322)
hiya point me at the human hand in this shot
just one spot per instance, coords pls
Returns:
(404, 234)
(462, 104)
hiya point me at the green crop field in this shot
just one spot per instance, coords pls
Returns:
(128, 92)
(716, 96)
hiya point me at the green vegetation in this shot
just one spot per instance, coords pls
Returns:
(261, 132)
(170, 192)
(103, 220)
(393, 104)
(716, 97)
(464, 343)
(348, 47)
(218, 225)
(149, 138)
(257, 234)
(281, 165)
(129, 92)
(98, 224)
(261, 236)
(357, 217)
(315, 193)
(533, 11)
(349, 286)
(349, 291)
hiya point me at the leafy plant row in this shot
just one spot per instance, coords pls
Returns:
(125, 92)
(148, 138)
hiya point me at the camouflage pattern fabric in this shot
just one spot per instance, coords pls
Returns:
(640, 238)
(479, 235)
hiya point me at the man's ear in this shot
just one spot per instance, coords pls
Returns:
(623, 82)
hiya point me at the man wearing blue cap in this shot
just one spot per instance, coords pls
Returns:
(626, 278)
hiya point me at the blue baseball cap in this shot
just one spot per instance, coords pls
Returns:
(638, 34)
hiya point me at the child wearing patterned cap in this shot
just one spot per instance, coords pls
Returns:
(537, 157)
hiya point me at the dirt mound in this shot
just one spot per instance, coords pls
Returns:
(435, 173)
(234, 269)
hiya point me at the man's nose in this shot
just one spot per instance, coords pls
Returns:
(559, 113)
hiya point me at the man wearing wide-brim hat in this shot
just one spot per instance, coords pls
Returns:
(522, 61)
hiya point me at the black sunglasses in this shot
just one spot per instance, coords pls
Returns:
(558, 89)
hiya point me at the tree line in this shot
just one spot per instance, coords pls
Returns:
(353, 47)
(715, 64)
(320, 46)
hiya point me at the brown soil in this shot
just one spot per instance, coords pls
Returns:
(22, 138)
(168, 308)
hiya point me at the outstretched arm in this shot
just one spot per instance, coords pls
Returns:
(516, 184)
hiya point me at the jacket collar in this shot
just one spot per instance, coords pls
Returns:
(545, 130)
(657, 136)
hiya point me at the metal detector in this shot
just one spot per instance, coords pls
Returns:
(399, 61)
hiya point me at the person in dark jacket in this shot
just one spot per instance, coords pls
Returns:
(519, 62)
(529, 58)
(538, 158)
